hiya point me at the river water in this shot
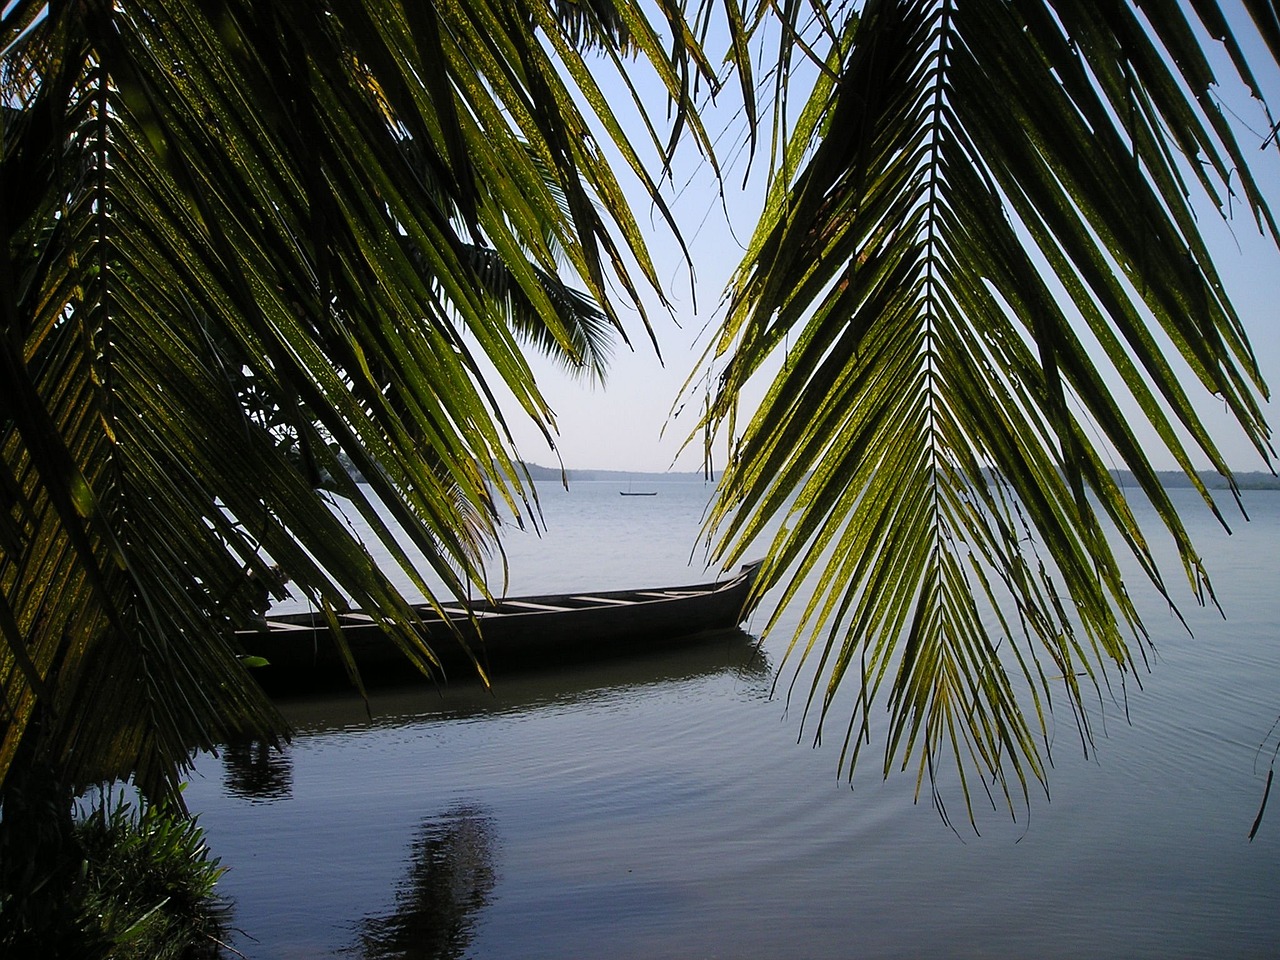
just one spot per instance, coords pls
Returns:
(674, 805)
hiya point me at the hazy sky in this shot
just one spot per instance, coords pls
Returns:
(626, 425)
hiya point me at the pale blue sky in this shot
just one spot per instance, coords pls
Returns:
(626, 424)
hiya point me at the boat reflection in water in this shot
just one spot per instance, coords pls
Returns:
(260, 773)
(527, 690)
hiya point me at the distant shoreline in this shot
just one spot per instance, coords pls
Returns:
(1252, 480)
(539, 472)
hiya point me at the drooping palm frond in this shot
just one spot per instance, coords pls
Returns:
(981, 250)
(214, 242)
(592, 24)
(587, 326)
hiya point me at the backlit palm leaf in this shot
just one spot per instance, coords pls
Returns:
(980, 247)
(222, 271)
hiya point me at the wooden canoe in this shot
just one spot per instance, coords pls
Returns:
(512, 633)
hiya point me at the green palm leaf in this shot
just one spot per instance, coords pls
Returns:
(242, 252)
(981, 227)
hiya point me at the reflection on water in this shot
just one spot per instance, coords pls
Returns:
(257, 771)
(445, 879)
(735, 653)
(451, 875)
(261, 773)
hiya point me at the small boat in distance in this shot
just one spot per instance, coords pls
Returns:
(639, 493)
(536, 631)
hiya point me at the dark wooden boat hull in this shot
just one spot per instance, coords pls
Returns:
(519, 632)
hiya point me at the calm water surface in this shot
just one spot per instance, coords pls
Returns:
(673, 806)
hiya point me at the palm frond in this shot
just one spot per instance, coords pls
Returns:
(982, 226)
(581, 320)
(227, 278)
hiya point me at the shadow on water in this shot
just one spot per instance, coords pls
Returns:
(259, 773)
(451, 875)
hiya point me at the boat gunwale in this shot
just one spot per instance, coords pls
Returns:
(553, 603)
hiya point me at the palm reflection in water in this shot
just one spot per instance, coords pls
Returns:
(257, 771)
(451, 856)
(451, 875)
